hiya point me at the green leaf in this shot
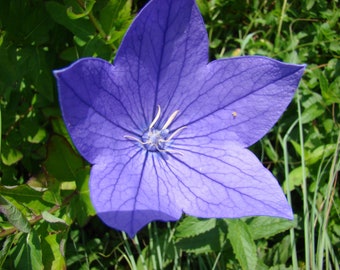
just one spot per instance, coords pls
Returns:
(281, 251)
(310, 4)
(243, 244)
(192, 226)
(6, 247)
(62, 161)
(116, 16)
(207, 235)
(88, 8)
(312, 112)
(81, 207)
(167, 248)
(281, 267)
(203, 6)
(313, 107)
(97, 48)
(28, 254)
(51, 218)
(69, 54)
(81, 28)
(53, 246)
(331, 94)
(295, 178)
(265, 227)
(320, 152)
(38, 137)
(297, 147)
(59, 128)
(24, 198)
(0, 126)
(270, 151)
(10, 156)
(323, 82)
(52, 194)
(14, 216)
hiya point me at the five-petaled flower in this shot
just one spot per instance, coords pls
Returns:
(167, 132)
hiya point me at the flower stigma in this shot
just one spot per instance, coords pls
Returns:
(157, 140)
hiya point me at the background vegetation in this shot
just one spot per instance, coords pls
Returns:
(47, 220)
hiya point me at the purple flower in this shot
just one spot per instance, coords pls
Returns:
(166, 132)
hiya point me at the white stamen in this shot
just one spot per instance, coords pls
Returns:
(156, 139)
(156, 117)
(134, 139)
(171, 118)
(175, 133)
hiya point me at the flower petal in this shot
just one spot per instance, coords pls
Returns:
(131, 190)
(225, 181)
(138, 187)
(95, 108)
(237, 99)
(166, 43)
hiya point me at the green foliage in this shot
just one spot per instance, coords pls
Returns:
(200, 235)
(243, 244)
(47, 220)
(14, 215)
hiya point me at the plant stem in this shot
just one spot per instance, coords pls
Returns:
(304, 189)
(289, 198)
(283, 11)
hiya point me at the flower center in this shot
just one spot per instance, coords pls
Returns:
(157, 140)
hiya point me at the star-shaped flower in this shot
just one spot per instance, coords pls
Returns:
(166, 131)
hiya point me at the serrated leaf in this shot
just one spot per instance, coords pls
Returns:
(210, 238)
(264, 227)
(14, 216)
(206, 242)
(243, 244)
(192, 226)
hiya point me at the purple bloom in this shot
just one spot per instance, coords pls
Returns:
(167, 132)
